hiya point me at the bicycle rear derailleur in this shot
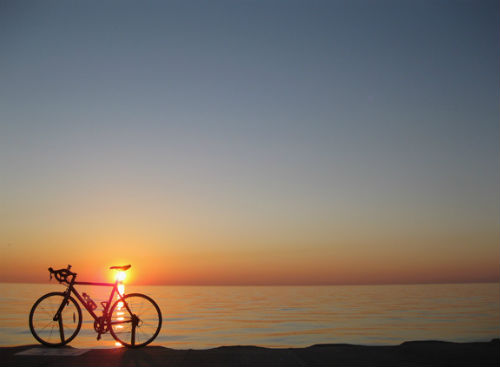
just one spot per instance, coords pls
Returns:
(101, 326)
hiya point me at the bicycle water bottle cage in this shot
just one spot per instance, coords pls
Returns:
(89, 301)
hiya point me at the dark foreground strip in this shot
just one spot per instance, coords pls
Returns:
(419, 353)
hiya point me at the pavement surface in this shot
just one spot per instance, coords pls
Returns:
(418, 353)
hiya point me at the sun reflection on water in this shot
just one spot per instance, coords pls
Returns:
(120, 277)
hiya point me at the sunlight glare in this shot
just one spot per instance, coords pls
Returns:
(120, 276)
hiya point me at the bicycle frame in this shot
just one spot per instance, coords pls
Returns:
(71, 289)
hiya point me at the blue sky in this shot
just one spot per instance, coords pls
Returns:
(284, 124)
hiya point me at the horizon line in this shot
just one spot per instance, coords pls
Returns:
(281, 284)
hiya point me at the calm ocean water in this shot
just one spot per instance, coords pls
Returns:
(205, 316)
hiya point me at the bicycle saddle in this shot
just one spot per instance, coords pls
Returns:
(122, 268)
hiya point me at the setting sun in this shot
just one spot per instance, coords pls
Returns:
(120, 276)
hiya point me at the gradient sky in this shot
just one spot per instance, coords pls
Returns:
(251, 142)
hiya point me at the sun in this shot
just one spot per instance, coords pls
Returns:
(120, 276)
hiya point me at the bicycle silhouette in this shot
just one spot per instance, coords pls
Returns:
(134, 320)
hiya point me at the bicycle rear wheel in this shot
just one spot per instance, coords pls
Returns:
(135, 322)
(52, 332)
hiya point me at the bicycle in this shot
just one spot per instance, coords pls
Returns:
(134, 320)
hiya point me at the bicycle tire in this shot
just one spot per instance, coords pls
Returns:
(121, 322)
(42, 324)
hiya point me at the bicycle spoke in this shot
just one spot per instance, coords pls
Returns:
(49, 323)
(140, 332)
(49, 312)
(120, 322)
(140, 309)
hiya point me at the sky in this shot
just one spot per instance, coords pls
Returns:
(250, 142)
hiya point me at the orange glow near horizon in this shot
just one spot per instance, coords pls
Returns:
(276, 269)
(296, 264)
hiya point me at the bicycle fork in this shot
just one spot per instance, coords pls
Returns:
(57, 317)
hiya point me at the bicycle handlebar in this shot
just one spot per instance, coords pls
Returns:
(62, 275)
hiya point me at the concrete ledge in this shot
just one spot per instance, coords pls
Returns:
(416, 353)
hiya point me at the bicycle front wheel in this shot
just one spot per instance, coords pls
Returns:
(56, 332)
(136, 321)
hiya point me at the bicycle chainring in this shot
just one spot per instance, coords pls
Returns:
(101, 325)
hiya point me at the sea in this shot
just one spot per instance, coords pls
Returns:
(200, 317)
